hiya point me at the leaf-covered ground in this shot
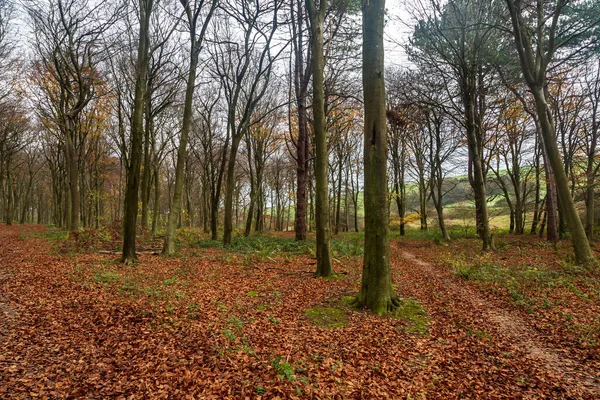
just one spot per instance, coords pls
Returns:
(214, 323)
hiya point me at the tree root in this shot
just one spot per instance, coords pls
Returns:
(390, 306)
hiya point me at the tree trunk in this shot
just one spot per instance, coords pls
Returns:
(338, 203)
(9, 197)
(478, 175)
(169, 244)
(302, 154)
(147, 168)
(317, 17)
(137, 121)
(536, 205)
(72, 172)
(589, 206)
(581, 246)
(376, 291)
(229, 189)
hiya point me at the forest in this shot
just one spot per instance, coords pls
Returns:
(321, 199)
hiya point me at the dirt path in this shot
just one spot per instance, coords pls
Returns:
(8, 311)
(578, 377)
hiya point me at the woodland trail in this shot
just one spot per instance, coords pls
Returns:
(8, 312)
(578, 378)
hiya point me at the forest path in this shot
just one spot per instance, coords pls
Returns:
(8, 310)
(578, 379)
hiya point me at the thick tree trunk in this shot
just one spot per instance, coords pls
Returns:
(551, 211)
(376, 290)
(518, 215)
(214, 218)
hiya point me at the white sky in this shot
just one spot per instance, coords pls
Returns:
(397, 31)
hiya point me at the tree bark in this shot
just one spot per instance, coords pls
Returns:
(137, 133)
(229, 189)
(376, 292)
(301, 78)
(581, 246)
(169, 244)
(317, 17)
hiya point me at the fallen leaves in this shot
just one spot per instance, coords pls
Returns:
(206, 326)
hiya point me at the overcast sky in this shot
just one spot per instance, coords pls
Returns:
(397, 31)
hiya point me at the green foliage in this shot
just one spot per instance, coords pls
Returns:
(187, 237)
(54, 235)
(519, 280)
(171, 281)
(260, 246)
(273, 320)
(106, 277)
(348, 245)
(192, 312)
(229, 335)
(236, 323)
(284, 369)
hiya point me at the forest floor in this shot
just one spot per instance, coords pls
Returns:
(250, 321)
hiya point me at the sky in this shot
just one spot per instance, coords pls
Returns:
(396, 32)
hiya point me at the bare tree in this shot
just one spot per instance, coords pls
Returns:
(244, 71)
(205, 10)
(67, 37)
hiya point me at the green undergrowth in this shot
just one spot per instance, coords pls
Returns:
(265, 246)
(334, 314)
(132, 284)
(414, 316)
(525, 283)
(327, 317)
(56, 237)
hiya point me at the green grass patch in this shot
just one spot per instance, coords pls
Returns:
(106, 277)
(414, 316)
(328, 317)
